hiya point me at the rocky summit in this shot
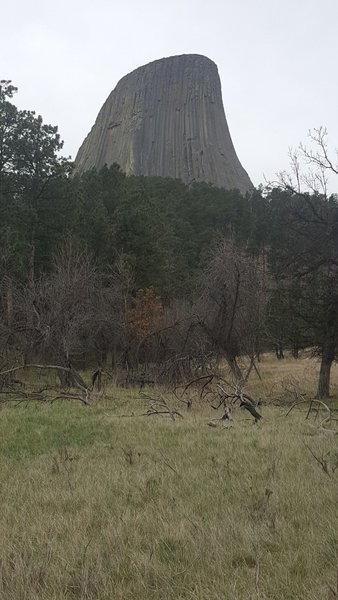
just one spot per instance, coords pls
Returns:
(166, 119)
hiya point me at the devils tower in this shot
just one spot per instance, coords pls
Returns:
(167, 119)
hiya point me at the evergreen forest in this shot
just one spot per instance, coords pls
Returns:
(145, 274)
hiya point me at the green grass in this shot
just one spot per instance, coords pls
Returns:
(98, 506)
(35, 429)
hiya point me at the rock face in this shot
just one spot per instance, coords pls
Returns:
(167, 119)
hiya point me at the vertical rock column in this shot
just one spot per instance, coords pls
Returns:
(166, 119)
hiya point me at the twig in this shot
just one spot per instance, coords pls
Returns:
(168, 464)
(322, 461)
(257, 574)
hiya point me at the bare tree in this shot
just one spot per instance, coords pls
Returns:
(74, 315)
(311, 256)
(231, 305)
(56, 312)
(311, 167)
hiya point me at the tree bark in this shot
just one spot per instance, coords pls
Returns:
(31, 266)
(328, 352)
(9, 302)
(279, 351)
(295, 350)
(232, 362)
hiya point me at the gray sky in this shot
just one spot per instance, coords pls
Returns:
(277, 60)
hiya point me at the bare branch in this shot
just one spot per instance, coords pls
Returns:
(77, 380)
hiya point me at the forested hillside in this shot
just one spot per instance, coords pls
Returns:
(148, 271)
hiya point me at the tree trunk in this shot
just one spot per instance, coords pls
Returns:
(279, 351)
(232, 362)
(31, 266)
(295, 350)
(9, 302)
(65, 377)
(328, 352)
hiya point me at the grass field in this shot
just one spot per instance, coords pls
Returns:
(99, 506)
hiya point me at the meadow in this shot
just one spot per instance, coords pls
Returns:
(106, 503)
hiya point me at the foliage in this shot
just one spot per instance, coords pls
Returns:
(145, 315)
(32, 187)
(303, 262)
(152, 233)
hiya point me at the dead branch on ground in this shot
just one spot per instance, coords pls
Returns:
(160, 406)
(77, 382)
(217, 389)
(327, 419)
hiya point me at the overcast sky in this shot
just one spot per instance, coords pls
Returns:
(277, 60)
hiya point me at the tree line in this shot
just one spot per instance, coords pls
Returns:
(149, 271)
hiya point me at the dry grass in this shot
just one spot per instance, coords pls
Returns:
(98, 506)
(280, 378)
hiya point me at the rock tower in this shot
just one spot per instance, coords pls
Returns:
(166, 119)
